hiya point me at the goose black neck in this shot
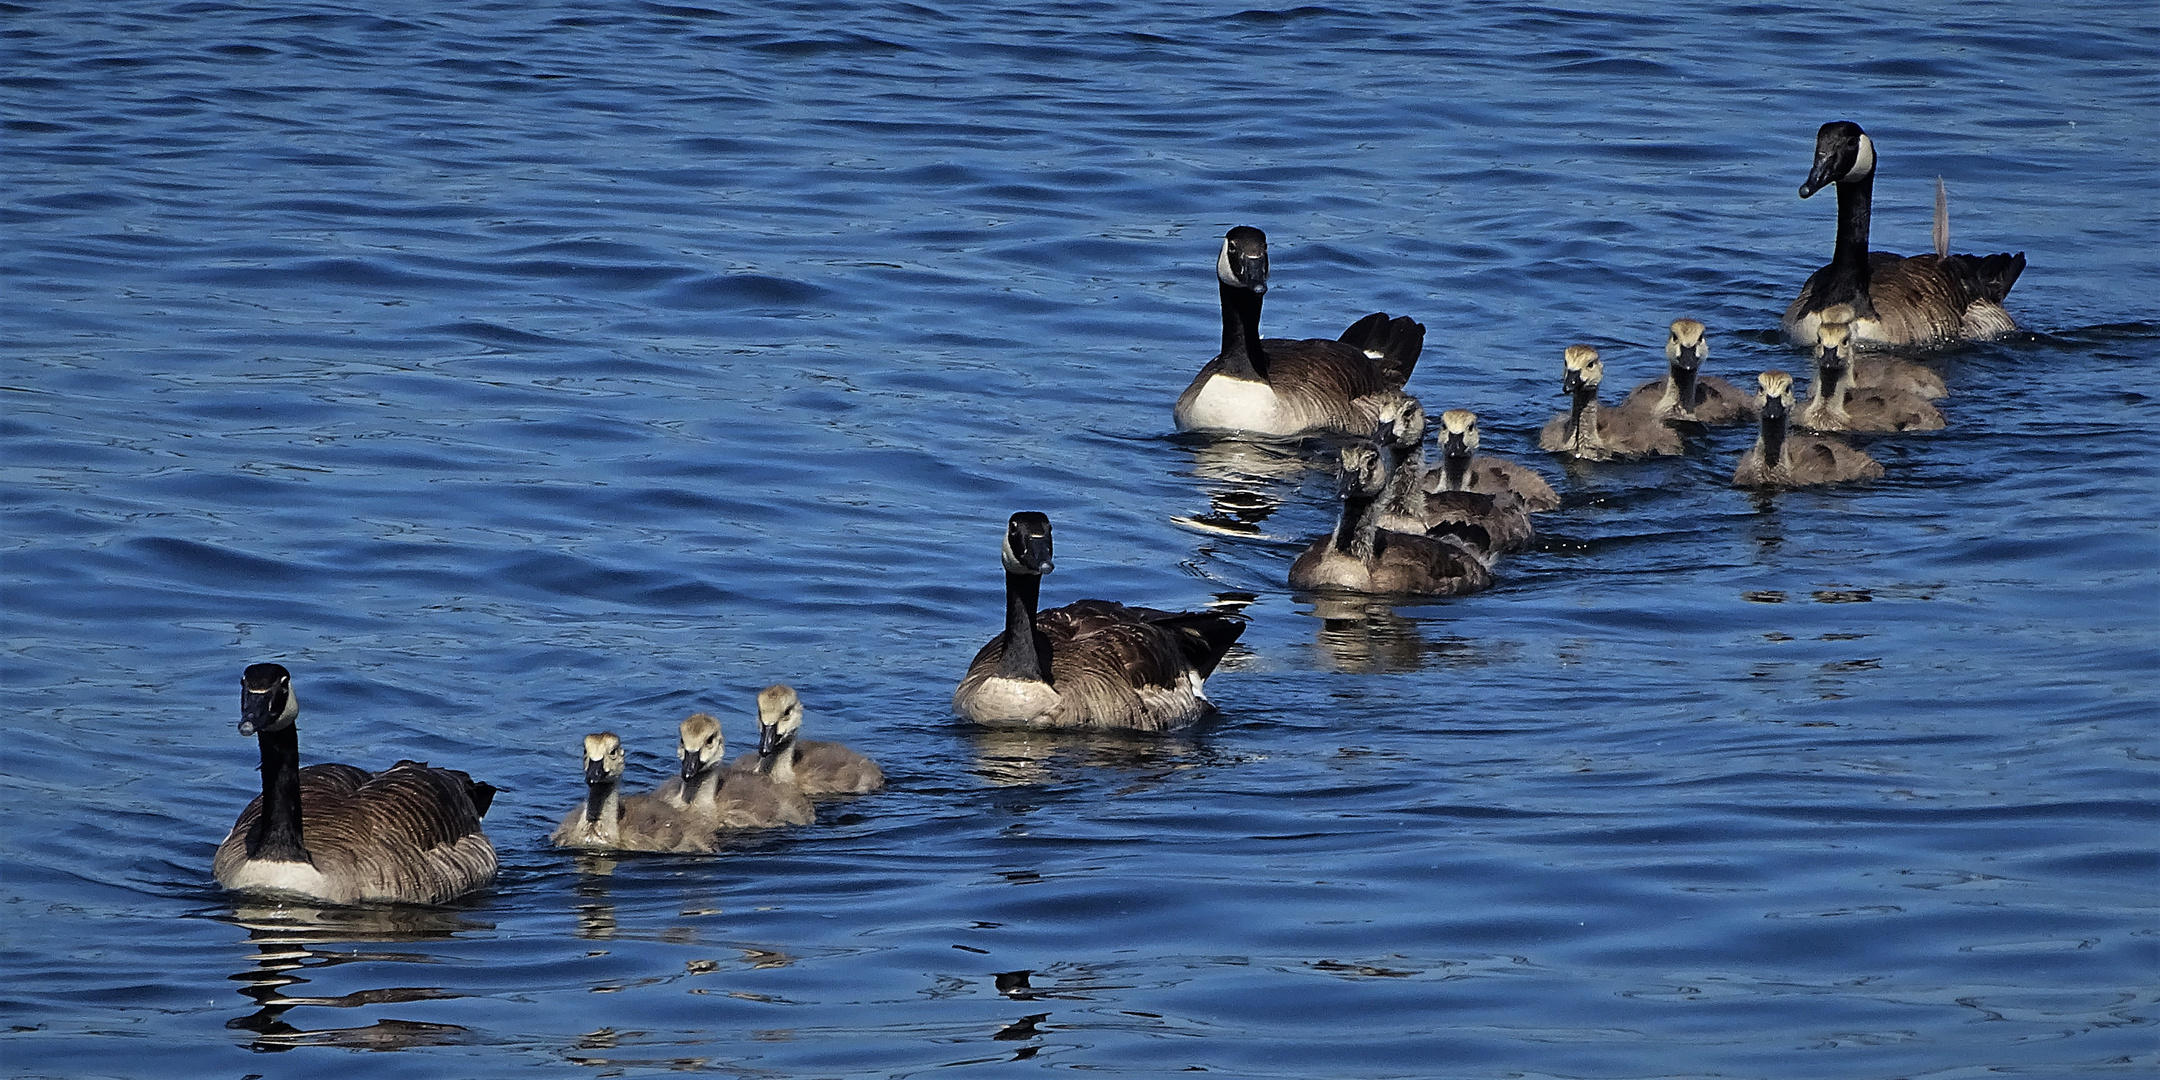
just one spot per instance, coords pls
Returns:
(1582, 409)
(1027, 655)
(1773, 437)
(599, 796)
(1354, 533)
(1241, 355)
(1849, 261)
(1683, 385)
(276, 835)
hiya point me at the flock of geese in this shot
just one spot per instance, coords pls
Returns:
(412, 833)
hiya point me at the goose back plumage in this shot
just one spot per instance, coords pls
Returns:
(1919, 301)
(1287, 387)
(339, 834)
(1091, 663)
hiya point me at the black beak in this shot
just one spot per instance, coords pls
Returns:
(693, 763)
(595, 771)
(1456, 446)
(1773, 413)
(1834, 157)
(1031, 550)
(768, 739)
(1571, 383)
(259, 708)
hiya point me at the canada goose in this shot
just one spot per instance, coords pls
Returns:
(725, 798)
(1408, 505)
(1874, 371)
(1924, 300)
(1781, 459)
(608, 820)
(1835, 404)
(1591, 433)
(1360, 556)
(1462, 468)
(1684, 393)
(1091, 663)
(814, 768)
(342, 835)
(1284, 387)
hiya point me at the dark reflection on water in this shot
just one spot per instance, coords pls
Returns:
(294, 948)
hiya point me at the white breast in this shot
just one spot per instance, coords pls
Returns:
(1228, 404)
(262, 875)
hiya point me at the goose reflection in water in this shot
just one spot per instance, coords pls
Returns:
(290, 942)
(1363, 635)
(1244, 483)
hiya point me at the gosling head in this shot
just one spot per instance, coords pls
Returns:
(603, 759)
(1776, 394)
(1458, 433)
(1364, 471)
(779, 712)
(1027, 544)
(699, 745)
(1400, 422)
(266, 699)
(1833, 343)
(1583, 370)
(1243, 262)
(1685, 346)
(1843, 153)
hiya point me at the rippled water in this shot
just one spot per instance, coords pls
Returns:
(531, 369)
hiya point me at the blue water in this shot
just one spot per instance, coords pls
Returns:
(528, 369)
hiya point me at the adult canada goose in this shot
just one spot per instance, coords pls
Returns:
(1091, 663)
(1590, 432)
(1684, 393)
(1835, 404)
(1360, 556)
(1285, 387)
(1874, 371)
(1462, 468)
(342, 835)
(1408, 505)
(814, 768)
(1924, 300)
(1782, 459)
(723, 798)
(608, 820)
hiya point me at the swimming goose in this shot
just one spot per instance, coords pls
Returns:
(608, 820)
(1462, 468)
(1782, 459)
(1924, 300)
(814, 768)
(1835, 404)
(1360, 556)
(1284, 387)
(721, 797)
(1091, 663)
(1874, 371)
(1684, 393)
(342, 835)
(1410, 505)
(1589, 432)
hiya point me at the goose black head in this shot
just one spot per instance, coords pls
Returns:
(779, 717)
(699, 744)
(1027, 543)
(266, 699)
(1843, 152)
(1243, 262)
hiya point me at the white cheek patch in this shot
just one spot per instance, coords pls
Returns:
(1864, 162)
(1222, 266)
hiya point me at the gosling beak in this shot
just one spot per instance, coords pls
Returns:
(595, 771)
(768, 739)
(693, 763)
